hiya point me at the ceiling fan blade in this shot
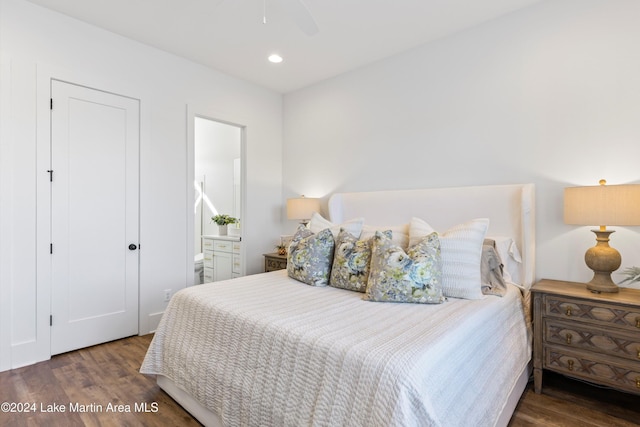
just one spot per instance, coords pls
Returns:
(301, 16)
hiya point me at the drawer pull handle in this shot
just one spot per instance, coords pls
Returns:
(638, 322)
(568, 312)
(570, 363)
(638, 353)
(637, 382)
(569, 336)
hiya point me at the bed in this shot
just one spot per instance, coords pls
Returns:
(267, 349)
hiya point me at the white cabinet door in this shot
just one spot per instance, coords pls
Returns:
(222, 265)
(94, 216)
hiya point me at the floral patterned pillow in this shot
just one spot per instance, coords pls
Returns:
(461, 247)
(350, 268)
(310, 256)
(414, 276)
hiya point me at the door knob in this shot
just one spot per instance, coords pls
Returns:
(133, 247)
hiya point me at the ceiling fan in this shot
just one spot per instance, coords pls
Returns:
(298, 11)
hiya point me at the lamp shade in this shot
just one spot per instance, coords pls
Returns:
(602, 205)
(302, 207)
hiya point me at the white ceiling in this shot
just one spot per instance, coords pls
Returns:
(230, 36)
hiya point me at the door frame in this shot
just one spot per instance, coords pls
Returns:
(194, 111)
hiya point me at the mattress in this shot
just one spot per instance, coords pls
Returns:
(268, 350)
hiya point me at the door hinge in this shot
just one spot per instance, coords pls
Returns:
(50, 248)
(51, 103)
(50, 172)
(51, 320)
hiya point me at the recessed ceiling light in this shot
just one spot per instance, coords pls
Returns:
(275, 58)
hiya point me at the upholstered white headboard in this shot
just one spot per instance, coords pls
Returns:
(510, 209)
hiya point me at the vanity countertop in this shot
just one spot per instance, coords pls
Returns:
(215, 236)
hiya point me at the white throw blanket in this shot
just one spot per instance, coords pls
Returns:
(265, 350)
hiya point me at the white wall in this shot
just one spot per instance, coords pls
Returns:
(549, 94)
(37, 45)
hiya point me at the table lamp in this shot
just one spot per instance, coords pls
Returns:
(602, 205)
(302, 208)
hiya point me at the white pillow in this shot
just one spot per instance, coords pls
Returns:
(399, 234)
(510, 257)
(461, 248)
(318, 223)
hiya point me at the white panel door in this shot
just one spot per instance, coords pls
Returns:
(94, 216)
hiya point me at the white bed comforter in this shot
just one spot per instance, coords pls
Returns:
(266, 350)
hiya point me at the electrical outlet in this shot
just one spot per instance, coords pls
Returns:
(167, 295)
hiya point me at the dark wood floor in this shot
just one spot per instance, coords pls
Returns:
(567, 403)
(102, 374)
(108, 374)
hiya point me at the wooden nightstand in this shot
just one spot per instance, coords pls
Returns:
(274, 261)
(593, 337)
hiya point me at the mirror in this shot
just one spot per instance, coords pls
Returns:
(217, 177)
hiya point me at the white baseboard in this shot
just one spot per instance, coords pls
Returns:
(154, 321)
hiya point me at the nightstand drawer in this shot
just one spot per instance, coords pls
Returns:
(275, 264)
(274, 261)
(590, 367)
(593, 312)
(586, 337)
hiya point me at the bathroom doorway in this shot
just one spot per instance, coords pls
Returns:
(217, 182)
